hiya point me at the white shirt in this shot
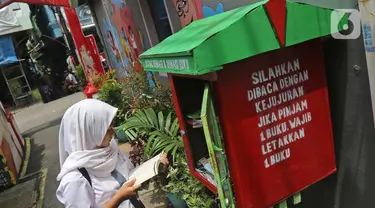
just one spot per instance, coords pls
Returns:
(71, 78)
(76, 192)
(71, 63)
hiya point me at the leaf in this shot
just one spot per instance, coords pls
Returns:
(157, 143)
(185, 196)
(162, 135)
(175, 127)
(168, 148)
(134, 124)
(159, 149)
(159, 146)
(174, 153)
(131, 137)
(168, 122)
(141, 116)
(161, 120)
(149, 144)
(134, 132)
(152, 118)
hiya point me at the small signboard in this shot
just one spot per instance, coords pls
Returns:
(278, 125)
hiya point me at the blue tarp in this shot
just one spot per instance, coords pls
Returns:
(7, 53)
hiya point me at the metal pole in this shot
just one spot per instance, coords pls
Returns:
(64, 28)
(367, 10)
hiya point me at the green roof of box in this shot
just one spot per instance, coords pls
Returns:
(206, 45)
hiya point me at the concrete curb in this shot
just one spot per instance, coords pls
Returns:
(41, 187)
(26, 158)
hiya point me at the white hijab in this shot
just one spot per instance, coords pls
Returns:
(82, 130)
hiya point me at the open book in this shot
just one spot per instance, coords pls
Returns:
(146, 171)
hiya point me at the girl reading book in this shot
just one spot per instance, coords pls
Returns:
(94, 173)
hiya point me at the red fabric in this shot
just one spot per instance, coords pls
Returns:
(90, 90)
(277, 12)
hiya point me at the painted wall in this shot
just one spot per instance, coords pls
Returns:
(120, 34)
(173, 16)
(123, 34)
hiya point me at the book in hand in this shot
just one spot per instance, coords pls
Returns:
(146, 171)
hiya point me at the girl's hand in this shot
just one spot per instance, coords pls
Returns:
(125, 192)
(128, 190)
(164, 159)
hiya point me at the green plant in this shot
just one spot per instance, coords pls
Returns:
(163, 131)
(112, 93)
(185, 187)
(138, 145)
(162, 99)
(36, 95)
(96, 80)
(141, 96)
(80, 74)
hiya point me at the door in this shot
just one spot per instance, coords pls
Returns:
(216, 151)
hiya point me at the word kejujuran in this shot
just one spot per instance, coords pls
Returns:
(276, 100)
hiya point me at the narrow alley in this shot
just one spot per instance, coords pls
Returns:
(40, 124)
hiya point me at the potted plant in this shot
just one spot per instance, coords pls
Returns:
(162, 132)
(163, 136)
(184, 190)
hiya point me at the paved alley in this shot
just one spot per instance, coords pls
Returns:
(40, 123)
(33, 118)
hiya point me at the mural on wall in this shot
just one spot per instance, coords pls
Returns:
(132, 34)
(188, 10)
(150, 75)
(208, 11)
(112, 40)
(113, 46)
(213, 7)
(122, 36)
